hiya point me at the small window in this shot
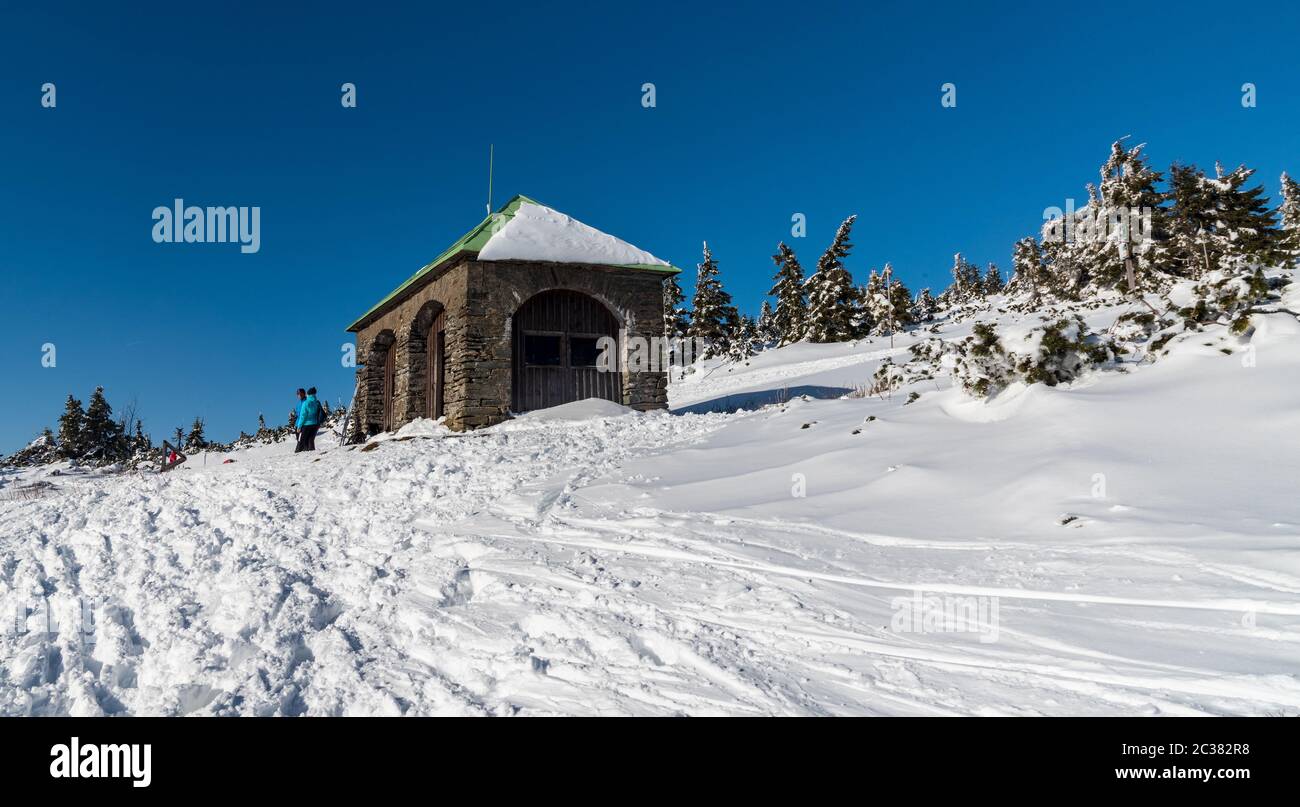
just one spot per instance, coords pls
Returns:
(541, 350)
(584, 351)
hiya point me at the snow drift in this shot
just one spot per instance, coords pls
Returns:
(1136, 533)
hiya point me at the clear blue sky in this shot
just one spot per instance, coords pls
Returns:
(825, 110)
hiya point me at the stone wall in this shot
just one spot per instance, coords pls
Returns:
(404, 325)
(498, 288)
(479, 299)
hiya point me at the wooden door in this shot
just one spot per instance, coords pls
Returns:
(556, 335)
(436, 371)
(390, 376)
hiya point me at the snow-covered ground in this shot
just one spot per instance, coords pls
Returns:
(1131, 544)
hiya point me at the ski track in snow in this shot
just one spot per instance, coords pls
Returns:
(657, 564)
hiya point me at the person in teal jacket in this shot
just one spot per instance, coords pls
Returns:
(310, 417)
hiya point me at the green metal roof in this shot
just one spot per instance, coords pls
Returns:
(475, 240)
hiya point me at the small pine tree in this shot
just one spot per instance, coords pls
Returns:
(1128, 193)
(744, 339)
(675, 317)
(768, 334)
(876, 303)
(1249, 225)
(178, 439)
(713, 317)
(101, 436)
(1289, 214)
(992, 283)
(1027, 267)
(900, 303)
(140, 441)
(835, 311)
(196, 440)
(789, 320)
(967, 285)
(1191, 222)
(924, 306)
(71, 443)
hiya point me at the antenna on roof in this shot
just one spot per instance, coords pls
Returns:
(491, 149)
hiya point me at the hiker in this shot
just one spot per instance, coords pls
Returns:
(310, 418)
(295, 412)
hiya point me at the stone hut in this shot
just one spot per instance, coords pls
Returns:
(508, 319)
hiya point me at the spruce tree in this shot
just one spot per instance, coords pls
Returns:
(713, 317)
(1067, 260)
(140, 441)
(1191, 221)
(101, 436)
(1128, 195)
(768, 334)
(967, 285)
(900, 299)
(876, 304)
(1249, 226)
(196, 440)
(834, 303)
(992, 283)
(924, 306)
(744, 341)
(675, 319)
(1027, 265)
(1289, 214)
(789, 321)
(71, 443)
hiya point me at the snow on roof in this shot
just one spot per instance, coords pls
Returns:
(539, 233)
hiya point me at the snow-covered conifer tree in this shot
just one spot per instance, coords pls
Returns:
(1289, 214)
(900, 299)
(834, 304)
(924, 306)
(1130, 221)
(967, 285)
(1027, 266)
(1191, 222)
(768, 335)
(71, 443)
(789, 320)
(713, 317)
(1248, 225)
(992, 282)
(195, 441)
(101, 436)
(675, 319)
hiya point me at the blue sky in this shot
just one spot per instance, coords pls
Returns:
(821, 109)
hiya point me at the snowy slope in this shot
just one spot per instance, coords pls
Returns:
(1138, 532)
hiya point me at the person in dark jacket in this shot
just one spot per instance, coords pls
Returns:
(310, 417)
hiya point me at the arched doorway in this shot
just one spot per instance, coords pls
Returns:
(435, 374)
(381, 373)
(390, 388)
(426, 362)
(555, 351)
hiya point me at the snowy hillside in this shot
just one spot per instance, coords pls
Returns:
(1133, 539)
